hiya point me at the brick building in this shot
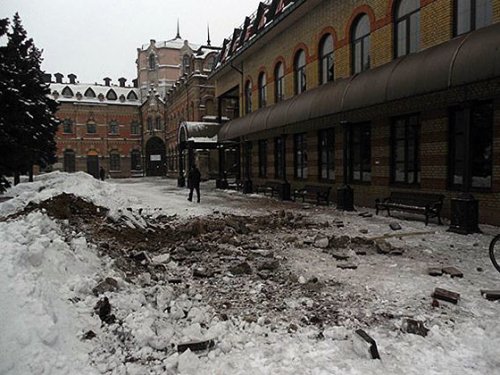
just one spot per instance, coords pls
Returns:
(382, 95)
(100, 127)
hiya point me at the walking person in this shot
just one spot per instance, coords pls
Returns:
(194, 177)
(102, 174)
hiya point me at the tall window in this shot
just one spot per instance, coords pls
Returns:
(134, 128)
(326, 142)
(262, 90)
(114, 161)
(279, 74)
(67, 126)
(326, 59)
(69, 161)
(135, 160)
(407, 26)
(300, 156)
(150, 124)
(360, 153)
(299, 68)
(186, 64)
(472, 15)
(113, 127)
(152, 61)
(158, 123)
(405, 160)
(471, 134)
(91, 127)
(248, 97)
(360, 44)
(263, 158)
(279, 155)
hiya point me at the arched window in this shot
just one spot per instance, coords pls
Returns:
(113, 127)
(326, 59)
(67, 126)
(67, 92)
(135, 160)
(152, 61)
(69, 161)
(299, 68)
(209, 63)
(89, 93)
(407, 27)
(279, 74)
(360, 44)
(158, 123)
(111, 95)
(472, 15)
(262, 90)
(150, 124)
(248, 97)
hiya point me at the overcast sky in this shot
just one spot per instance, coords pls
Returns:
(98, 38)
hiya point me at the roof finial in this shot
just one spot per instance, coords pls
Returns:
(208, 32)
(178, 32)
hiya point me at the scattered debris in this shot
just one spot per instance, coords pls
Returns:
(435, 271)
(347, 266)
(395, 226)
(103, 309)
(196, 346)
(89, 335)
(491, 295)
(364, 345)
(453, 272)
(415, 327)
(107, 285)
(446, 295)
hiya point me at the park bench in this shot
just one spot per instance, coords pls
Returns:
(315, 193)
(427, 204)
(269, 187)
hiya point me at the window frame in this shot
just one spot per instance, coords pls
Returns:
(113, 128)
(262, 87)
(279, 77)
(409, 122)
(135, 128)
(472, 17)
(279, 158)
(364, 42)
(327, 135)
(364, 145)
(407, 20)
(67, 124)
(299, 72)
(114, 161)
(262, 145)
(69, 160)
(248, 96)
(135, 154)
(300, 165)
(325, 59)
(91, 125)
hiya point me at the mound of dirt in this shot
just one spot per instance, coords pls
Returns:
(67, 206)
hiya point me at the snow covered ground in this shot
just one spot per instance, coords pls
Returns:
(49, 268)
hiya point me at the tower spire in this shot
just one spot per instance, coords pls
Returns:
(178, 36)
(208, 32)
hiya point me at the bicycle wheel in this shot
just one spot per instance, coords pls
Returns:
(495, 252)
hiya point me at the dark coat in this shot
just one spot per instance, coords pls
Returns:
(194, 177)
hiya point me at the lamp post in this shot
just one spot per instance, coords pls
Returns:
(345, 194)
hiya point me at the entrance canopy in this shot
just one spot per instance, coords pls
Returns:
(464, 60)
(198, 132)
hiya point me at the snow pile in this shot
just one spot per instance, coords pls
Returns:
(39, 326)
(80, 184)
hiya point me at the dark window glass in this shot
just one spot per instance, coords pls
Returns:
(262, 90)
(326, 142)
(326, 59)
(360, 45)
(471, 134)
(300, 72)
(360, 153)
(113, 128)
(67, 126)
(135, 160)
(134, 128)
(67, 92)
(263, 158)
(111, 95)
(405, 159)
(279, 154)
(186, 64)
(150, 124)
(279, 75)
(89, 93)
(248, 97)
(114, 161)
(132, 96)
(407, 27)
(300, 156)
(247, 160)
(91, 127)
(472, 15)
(152, 62)
(158, 123)
(69, 161)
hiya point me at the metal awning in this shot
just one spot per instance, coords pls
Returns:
(198, 132)
(463, 60)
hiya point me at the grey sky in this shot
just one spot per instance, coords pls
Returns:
(98, 38)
